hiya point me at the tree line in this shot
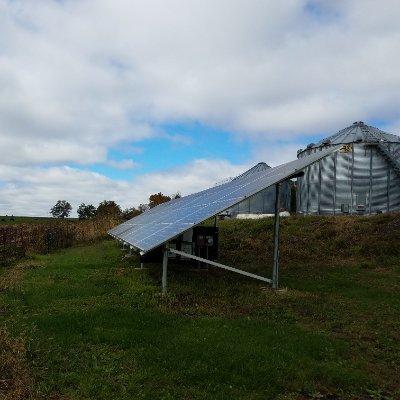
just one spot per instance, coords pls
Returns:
(109, 208)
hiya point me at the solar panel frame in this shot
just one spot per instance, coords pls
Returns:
(163, 223)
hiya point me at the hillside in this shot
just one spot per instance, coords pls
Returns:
(314, 239)
(83, 323)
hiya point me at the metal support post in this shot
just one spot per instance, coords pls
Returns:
(165, 269)
(275, 260)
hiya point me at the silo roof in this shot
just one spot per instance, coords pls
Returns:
(358, 132)
(262, 166)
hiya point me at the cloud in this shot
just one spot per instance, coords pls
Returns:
(276, 153)
(123, 164)
(80, 79)
(33, 191)
(112, 71)
(179, 139)
(195, 176)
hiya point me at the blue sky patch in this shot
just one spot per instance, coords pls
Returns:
(177, 145)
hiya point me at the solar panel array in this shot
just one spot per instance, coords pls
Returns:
(168, 220)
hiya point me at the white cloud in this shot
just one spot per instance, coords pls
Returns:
(123, 164)
(93, 71)
(275, 154)
(197, 175)
(79, 78)
(33, 191)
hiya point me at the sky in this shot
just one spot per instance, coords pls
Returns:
(120, 99)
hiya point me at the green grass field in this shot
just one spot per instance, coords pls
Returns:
(83, 323)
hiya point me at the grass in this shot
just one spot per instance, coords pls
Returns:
(82, 323)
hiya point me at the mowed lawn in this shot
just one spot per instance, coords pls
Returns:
(83, 323)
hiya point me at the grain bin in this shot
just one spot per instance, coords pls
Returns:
(264, 201)
(362, 178)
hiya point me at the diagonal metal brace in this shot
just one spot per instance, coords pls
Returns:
(215, 264)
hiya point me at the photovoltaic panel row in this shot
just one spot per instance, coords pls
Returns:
(168, 220)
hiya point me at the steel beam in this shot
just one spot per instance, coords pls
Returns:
(215, 264)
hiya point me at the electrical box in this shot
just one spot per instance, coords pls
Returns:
(205, 239)
(201, 241)
(345, 208)
(361, 200)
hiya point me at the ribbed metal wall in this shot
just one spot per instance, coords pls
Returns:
(347, 180)
(264, 202)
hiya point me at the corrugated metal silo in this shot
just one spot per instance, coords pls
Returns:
(362, 178)
(263, 202)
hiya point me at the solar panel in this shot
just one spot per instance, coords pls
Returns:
(168, 220)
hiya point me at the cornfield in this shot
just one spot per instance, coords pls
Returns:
(17, 240)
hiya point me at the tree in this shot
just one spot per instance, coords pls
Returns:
(157, 199)
(143, 208)
(86, 211)
(177, 195)
(61, 209)
(130, 213)
(109, 209)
